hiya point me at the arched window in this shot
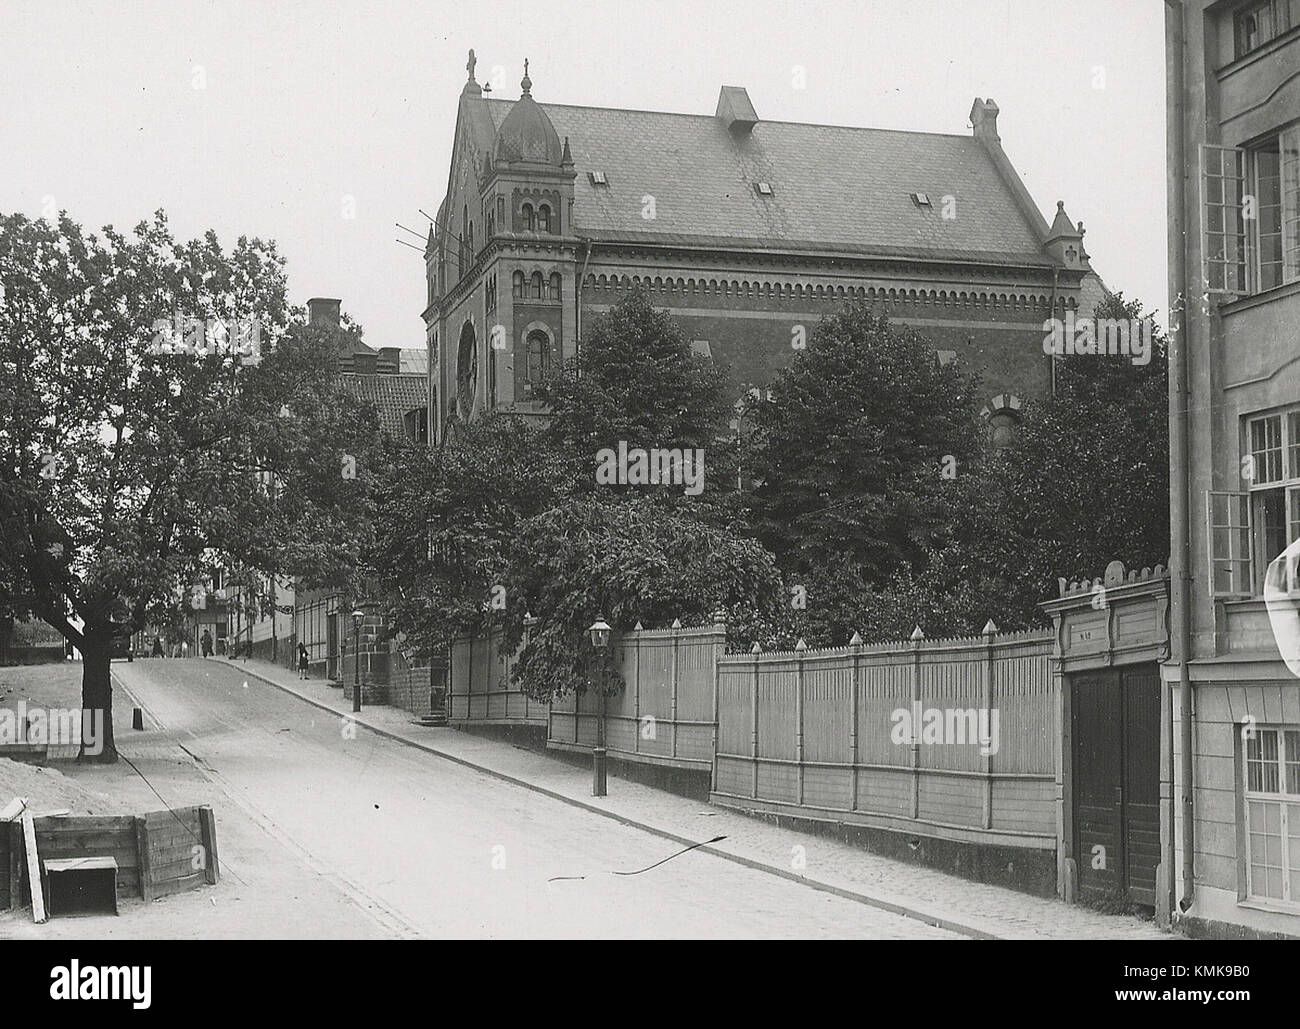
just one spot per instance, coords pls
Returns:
(555, 285)
(527, 212)
(544, 218)
(517, 289)
(1004, 426)
(537, 286)
(539, 356)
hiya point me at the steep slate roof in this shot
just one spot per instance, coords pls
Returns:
(835, 189)
(392, 396)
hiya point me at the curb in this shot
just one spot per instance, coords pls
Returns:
(751, 863)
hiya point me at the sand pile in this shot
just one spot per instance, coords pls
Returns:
(48, 789)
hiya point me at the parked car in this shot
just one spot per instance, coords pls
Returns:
(121, 647)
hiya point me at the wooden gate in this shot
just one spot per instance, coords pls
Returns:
(1115, 716)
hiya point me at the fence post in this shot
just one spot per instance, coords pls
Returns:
(677, 639)
(756, 650)
(856, 644)
(636, 687)
(986, 702)
(917, 637)
(800, 648)
(208, 836)
(144, 862)
(719, 646)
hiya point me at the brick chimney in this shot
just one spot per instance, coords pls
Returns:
(323, 311)
(735, 110)
(984, 120)
(389, 361)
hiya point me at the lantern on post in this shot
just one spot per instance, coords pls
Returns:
(599, 633)
(357, 615)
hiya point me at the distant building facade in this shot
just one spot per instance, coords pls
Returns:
(394, 382)
(1233, 704)
(746, 231)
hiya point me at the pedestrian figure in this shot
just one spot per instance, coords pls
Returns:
(206, 640)
(302, 661)
(158, 647)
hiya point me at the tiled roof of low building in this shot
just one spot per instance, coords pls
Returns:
(393, 397)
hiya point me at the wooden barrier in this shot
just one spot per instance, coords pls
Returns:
(157, 854)
(816, 734)
(665, 714)
(479, 690)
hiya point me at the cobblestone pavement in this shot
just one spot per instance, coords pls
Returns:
(975, 908)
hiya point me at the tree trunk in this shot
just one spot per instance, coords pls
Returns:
(97, 700)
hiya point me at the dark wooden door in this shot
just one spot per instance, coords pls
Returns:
(1140, 693)
(1095, 724)
(1115, 722)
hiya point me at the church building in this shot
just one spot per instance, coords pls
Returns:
(748, 232)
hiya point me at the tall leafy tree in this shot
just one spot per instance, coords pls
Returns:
(636, 379)
(448, 534)
(1085, 483)
(853, 460)
(129, 452)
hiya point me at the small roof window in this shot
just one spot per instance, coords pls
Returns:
(921, 199)
(764, 188)
(598, 178)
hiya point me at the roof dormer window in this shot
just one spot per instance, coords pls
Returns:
(921, 199)
(764, 188)
(598, 178)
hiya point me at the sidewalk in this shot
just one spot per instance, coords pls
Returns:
(972, 908)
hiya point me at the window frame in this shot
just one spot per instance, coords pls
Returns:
(1238, 271)
(1276, 29)
(1231, 559)
(1284, 799)
(1222, 178)
(1287, 482)
(543, 357)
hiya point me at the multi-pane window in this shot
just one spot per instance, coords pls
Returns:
(1248, 530)
(1272, 801)
(1223, 228)
(1229, 533)
(1257, 23)
(1250, 200)
(538, 363)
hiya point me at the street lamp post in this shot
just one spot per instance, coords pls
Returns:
(357, 615)
(599, 633)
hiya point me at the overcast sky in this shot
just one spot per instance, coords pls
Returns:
(264, 118)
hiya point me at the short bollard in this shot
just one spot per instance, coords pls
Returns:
(598, 771)
(137, 718)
